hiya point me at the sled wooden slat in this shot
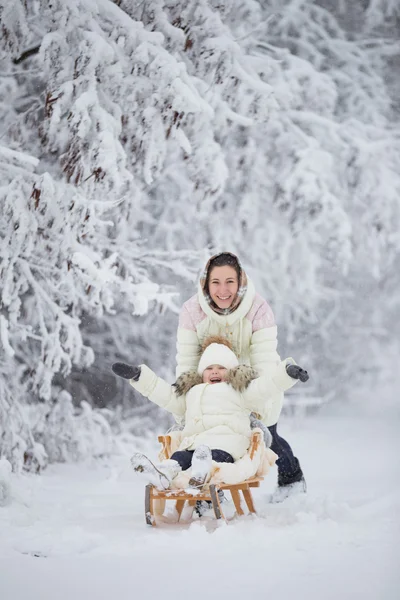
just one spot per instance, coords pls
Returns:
(249, 501)
(180, 496)
(216, 503)
(236, 500)
(179, 506)
(205, 494)
(165, 441)
(148, 505)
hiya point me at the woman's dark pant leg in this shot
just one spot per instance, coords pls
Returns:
(289, 470)
(183, 457)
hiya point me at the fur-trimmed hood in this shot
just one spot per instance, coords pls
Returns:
(239, 378)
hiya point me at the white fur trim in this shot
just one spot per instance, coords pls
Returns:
(217, 354)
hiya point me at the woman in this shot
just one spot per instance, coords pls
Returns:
(227, 304)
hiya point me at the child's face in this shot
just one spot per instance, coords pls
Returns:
(214, 374)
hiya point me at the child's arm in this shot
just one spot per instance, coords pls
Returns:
(159, 391)
(264, 395)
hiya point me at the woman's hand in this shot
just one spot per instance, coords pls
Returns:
(126, 371)
(297, 372)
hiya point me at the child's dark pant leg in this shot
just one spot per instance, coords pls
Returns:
(221, 456)
(289, 469)
(183, 457)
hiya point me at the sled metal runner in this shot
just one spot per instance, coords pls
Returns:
(155, 498)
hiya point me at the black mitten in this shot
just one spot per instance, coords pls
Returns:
(126, 371)
(297, 372)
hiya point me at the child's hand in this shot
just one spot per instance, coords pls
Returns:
(126, 371)
(297, 372)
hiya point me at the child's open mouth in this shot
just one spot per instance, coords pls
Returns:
(215, 380)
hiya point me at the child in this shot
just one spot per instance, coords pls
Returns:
(215, 402)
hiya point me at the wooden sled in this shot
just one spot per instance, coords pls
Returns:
(155, 499)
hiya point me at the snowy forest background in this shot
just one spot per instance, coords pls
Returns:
(138, 137)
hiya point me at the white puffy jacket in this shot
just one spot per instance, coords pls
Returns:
(217, 415)
(250, 328)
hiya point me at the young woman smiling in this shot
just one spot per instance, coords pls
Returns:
(227, 304)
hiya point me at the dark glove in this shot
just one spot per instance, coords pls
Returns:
(126, 371)
(297, 372)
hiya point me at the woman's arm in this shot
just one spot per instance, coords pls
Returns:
(187, 343)
(264, 356)
(159, 391)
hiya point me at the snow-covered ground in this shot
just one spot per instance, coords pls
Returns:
(78, 531)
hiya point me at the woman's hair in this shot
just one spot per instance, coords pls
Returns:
(225, 259)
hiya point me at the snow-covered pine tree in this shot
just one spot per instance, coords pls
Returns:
(352, 124)
(62, 254)
(71, 240)
(300, 203)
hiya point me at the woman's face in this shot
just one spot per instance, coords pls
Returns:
(223, 285)
(214, 374)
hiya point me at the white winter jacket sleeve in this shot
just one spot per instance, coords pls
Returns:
(188, 351)
(264, 395)
(159, 391)
(187, 343)
(264, 357)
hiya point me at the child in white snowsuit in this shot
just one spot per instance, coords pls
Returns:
(215, 402)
